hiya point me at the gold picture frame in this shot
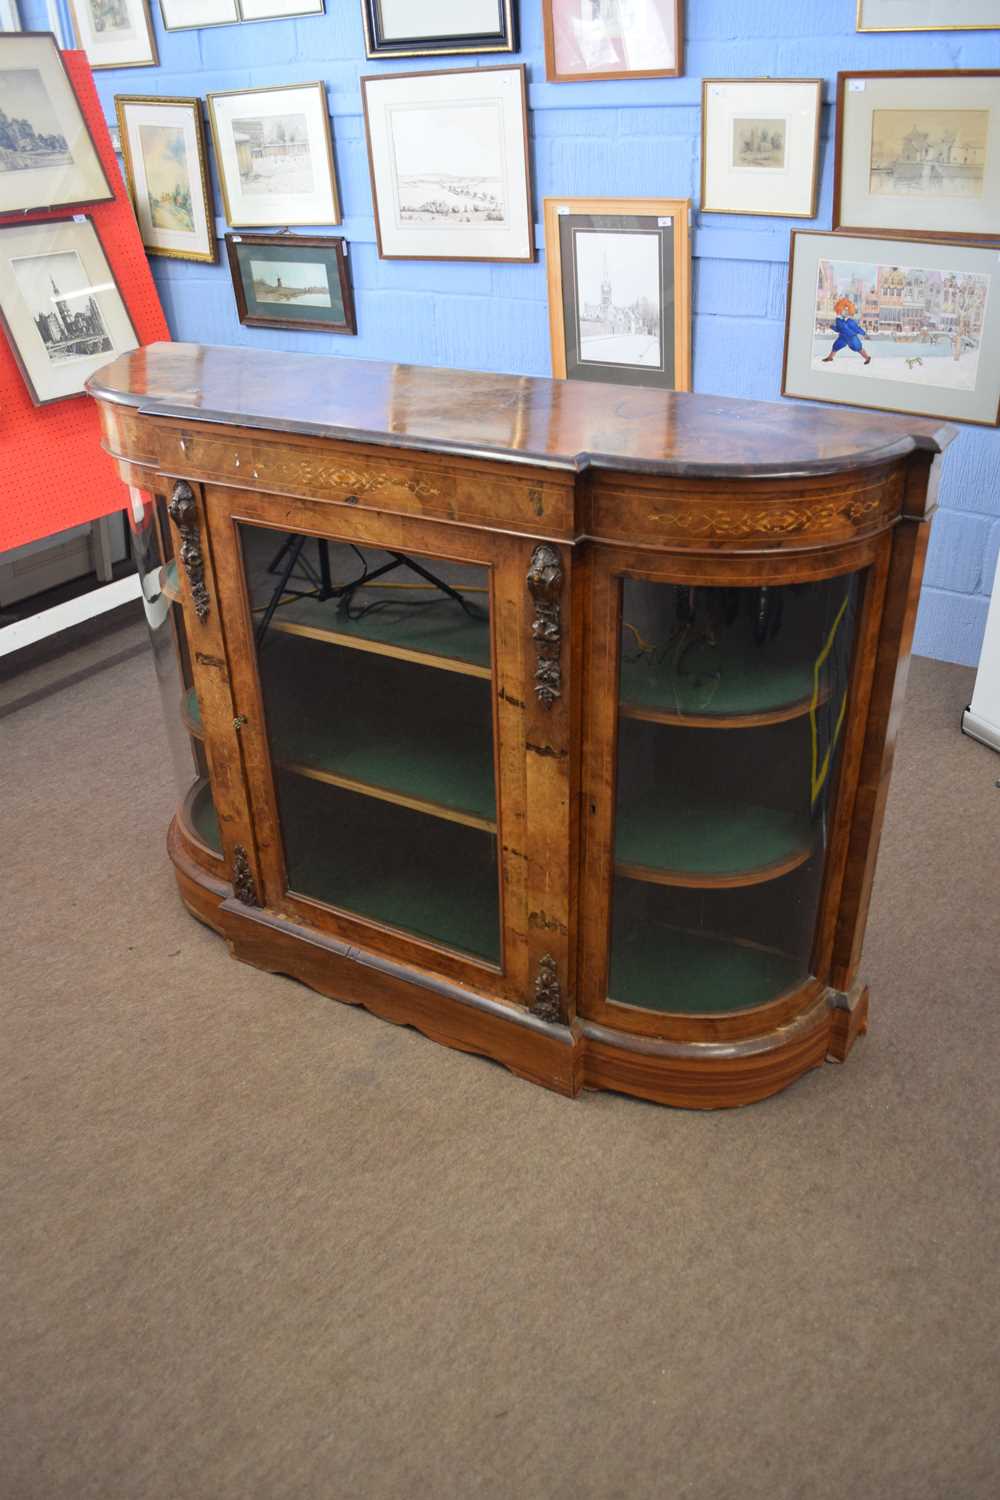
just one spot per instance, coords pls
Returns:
(226, 162)
(137, 176)
(811, 85)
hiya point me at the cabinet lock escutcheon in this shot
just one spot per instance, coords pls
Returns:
(239, 722)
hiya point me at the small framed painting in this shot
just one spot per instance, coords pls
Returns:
(448, 154)
(619, 278)
(292, 281)
(760, 146)
(274, 151)
(49, 160)
(928, 15)
(591, 39)
(897, 324)
(392, 29)
(919, 153)
(62, 312)
(183, 15)
(115, 33)
(166, 166)
(9, 18)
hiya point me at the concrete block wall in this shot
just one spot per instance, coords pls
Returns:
(592, 139)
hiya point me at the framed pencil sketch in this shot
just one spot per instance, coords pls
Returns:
(47, 155)
(115, 33)
(292, 281)
(62, 312)
(592, 39)
(274, 152)
(897, 324)
(919, 153)
(619, 281)
(183, 15)
(448, 155)
(9, 18)
(392, 29)
(928, 15)
(760, 146)
(166, 166)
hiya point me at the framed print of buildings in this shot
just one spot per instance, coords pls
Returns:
(919, 153)
(47, 156)
(398, 28)
(274, 152)
(115, 33)
(448, 154)
(166, 165)
(619, 278)
(899, 324)
(760, 145)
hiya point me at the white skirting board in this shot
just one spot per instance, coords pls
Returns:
(50, 621)
(981, 719)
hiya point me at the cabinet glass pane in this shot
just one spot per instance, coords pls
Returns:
(375, 670)
(731, 715)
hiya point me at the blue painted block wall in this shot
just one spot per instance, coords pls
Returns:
(590, 139)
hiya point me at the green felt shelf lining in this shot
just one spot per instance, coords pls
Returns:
(666, 831)
(438, 629)
(656, 967)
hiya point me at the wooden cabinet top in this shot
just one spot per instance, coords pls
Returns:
(562, 424)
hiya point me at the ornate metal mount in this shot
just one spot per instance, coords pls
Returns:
(184, 514)
(244, 886)
(545, 580)
(547, 1004)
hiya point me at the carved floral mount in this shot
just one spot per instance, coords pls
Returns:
(244, 885)
(184, 513)
(547, 1004)
(545, 581)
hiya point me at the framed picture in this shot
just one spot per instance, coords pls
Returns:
(448, 155)
(292, 281)
(392, 29)
(928, 15)
(115, 33)
(277, 10)
(897, 324)
(50, 160)
(619, 277)
(166, 165)
(760, 146)
(183, 15)
(62, 312)
(919, 153)
(9, 18)
(612, 39)
(274, 152)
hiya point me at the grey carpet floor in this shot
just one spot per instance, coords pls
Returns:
(258, 1245)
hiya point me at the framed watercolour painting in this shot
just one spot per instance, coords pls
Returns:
(928, 15)
(62, 312)
(292, 281)
(919, 153)
(591, 39)
(448, 155)
(442, 26)
(897, 324)
(760, 146)
(274, 152)
(166, 165)
(47, 156)
(619, 279)
(115, 33)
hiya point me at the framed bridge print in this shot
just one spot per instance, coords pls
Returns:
(115, 33)
(593, 39)
(619, 279)
(919, 153)
(274, 152)
(398, 28)
(896, 324)
(760, 146)
(166, 166)
(928, 15)
(292, 281)
(448, 155)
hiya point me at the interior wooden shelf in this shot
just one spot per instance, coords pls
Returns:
(658, 967)
(736, 685)
(436, 634)
(199, 816)
(672, 839)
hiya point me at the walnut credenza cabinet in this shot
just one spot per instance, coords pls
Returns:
(553, 719)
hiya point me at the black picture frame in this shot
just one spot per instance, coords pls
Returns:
(330, 251)
(502, 38)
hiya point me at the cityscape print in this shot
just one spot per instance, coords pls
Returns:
(759, 143)
(931, 153)
(618, 297)
(29, 133)
(111, 18)
(57, 294)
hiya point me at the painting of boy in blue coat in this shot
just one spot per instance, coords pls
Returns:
(849, 333)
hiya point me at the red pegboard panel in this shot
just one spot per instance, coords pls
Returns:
(53, 473)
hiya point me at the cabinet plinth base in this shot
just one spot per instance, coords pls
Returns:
(690, 1075)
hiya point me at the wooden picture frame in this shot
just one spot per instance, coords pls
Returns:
(107, 51)
(622, 216)
(556, 72)
(448, 219)
(953, 7)
(234, 157)
(929, 321)
(502, 38)
(183, 116)
(330, 251)
(61, 337)
(962, 159)
(73, 176)
(799, 148)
